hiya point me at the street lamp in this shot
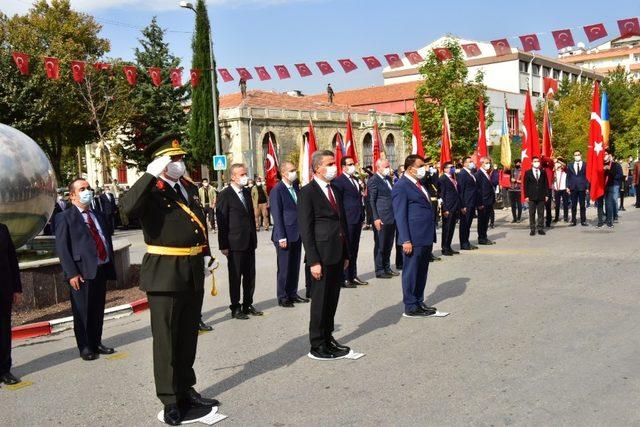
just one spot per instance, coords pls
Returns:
(214, 95)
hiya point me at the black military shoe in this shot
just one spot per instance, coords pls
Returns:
(299, 299)
(194, 399)
(252, 311)
(203, 327)
(359, 281)
(238, 314)
(287, 303)
(172, 415)
(102, 349)
(9, 379)
(333, 345)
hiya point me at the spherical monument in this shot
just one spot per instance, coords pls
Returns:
(27, 185)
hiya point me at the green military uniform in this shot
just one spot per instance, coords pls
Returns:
(172, 271)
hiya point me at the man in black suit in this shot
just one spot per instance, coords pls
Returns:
(451, 207)
(83, 244)
(577, 185)
(10, 294)
(108, 204)
(349, 188)
(322, 224)
(237, 241)
(469, 194)
(535, 193)
(384, 227)
(486, 199)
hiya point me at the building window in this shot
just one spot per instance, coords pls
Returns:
(523, 91)
(512, 121)
(334, 141)
(536, 70)
(524, 67)
(367, 151)
(556, 74)
(390, 150)
(122, 174)
(535, 94)
(546, 71)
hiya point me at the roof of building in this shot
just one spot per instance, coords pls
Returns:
(605, 53)
(374, 95)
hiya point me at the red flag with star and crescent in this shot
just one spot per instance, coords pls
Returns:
(416, 136)
(595, 156)
(530, 139)
(377, 142)
(338, 152)
(52, 68)
(482, 150)
(77, 70)
(445, 141)
(350, 147)
(271, 166)
(22, 62)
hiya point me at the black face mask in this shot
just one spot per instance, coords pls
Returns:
(517, 166)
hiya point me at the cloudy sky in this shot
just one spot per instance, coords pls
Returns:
(268, 32)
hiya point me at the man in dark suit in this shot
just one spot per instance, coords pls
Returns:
(60, 205)
(237, 241)
(384, 227)
(415, 220)
(323, 226)
(469, 195)
(83, 244)
(536, 187)
(10, 295)
(451, 207)
(283, 200)
(577, 185)
(349, 188)
(486, 199)
(108, 204)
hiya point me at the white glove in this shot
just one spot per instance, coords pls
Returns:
(157, 166)
(210, 264)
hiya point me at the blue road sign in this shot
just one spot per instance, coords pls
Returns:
(219, 163)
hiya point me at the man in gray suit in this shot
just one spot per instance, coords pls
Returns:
(384, 227)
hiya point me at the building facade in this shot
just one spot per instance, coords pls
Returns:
(604, 58)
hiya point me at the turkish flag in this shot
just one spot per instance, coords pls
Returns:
(501, 46)
(629, 27)
(52, 68)
(414, 57)
(350, 147)
(224, 73)
(263, 74)
(445, 141)
(394, 60)
(563, 38)
(550, 86)
(156, 75)
(303, 70)
(271, 166)
(77, 70)
(101, 66)
(175, 74)
(482, 131)
(338, 152)
(416, 136)
(196, 73)
(131, 73)
(471, 50)
(442, 53)
(347, 65)
(244, 73)
(22, 62)
(282, 72)
(530, 42)
(324, 67)
(377, 143)
(530, 139)
(372, 62)
(595, 156)
(595, 32)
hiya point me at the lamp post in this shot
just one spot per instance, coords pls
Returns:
(214, 95)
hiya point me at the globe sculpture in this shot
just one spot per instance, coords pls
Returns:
(27, 185)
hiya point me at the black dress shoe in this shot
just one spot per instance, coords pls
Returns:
(203, 327)
(101, 349)
(333, 345)
(454, 252)
(425, 307)
(252, 311)
(287, 303)
(383, 276)
(485, 242)
(238, 314)
(359, 281)
(541, 232)
(532, 233)
(9, 379)
(447, 252)
(573, 224)
(348, 284)
(434, 258)
(392, 273)
(323, 352)
(416, 312)
(172, 415)
(88, 355)
(194, 399)
(299, 299)
(465, 247)
(584, 224)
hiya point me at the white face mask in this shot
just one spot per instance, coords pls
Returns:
(351, 169)
(536, 165)
(577, 158)
(486, 166)
(421, 172)
(292, 176)
(386, 171)
(330, 173)
(86, 196)
(432, 170)
(175, 170)
(205, 184)
(243, 181)
(259, 184)
(472, 165)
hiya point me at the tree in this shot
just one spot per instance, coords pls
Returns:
(201, 130)
(570, 120)
(50, 111)
(446, 84)
(622, 93)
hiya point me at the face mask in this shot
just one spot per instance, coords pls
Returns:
(85, 197)
(292, 176)
(421, 172)
(386, 171)
(243, 181)
(205, 184)
(536, 165)
(607, 158)
(330, 173)
(558, 167)
(486, 166)
(60, 198)
(472, 165)
(577, 158)
(351, 169)
(175, 170)
(259, 184)
(517, 166)
(452, 171)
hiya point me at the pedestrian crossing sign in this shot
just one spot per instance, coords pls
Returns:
(219, 163)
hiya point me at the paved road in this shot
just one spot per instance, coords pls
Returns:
(542, 331)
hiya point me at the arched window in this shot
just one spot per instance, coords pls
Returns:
(367, 151)
(390, 150)
(334, 142)
(265, 151)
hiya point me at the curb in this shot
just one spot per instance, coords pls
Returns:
(49, 327)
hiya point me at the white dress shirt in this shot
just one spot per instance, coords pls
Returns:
(415, 182)
(560, 180)
(323, 185)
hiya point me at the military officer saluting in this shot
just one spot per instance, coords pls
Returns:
(172, 273)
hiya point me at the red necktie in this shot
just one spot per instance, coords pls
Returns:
(332, 200)
(102, 251)
(419, 184)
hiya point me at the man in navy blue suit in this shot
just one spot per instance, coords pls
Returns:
(486, 199)
(414, 217)
(349, 188)
(283, 202)
(577, 185)
(451, 207)
(83, 244)
(384, 227)
(469, 195)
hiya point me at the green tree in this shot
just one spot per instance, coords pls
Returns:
(446, 84)
(622, 93)
(570, 120)
(50, 111)
(201, 130)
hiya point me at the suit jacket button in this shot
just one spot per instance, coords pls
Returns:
(195, 231)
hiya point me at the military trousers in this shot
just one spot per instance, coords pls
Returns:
(174, 325)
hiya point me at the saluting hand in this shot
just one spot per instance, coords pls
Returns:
(76, 281)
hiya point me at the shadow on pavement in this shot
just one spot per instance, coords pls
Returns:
(449, 289)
